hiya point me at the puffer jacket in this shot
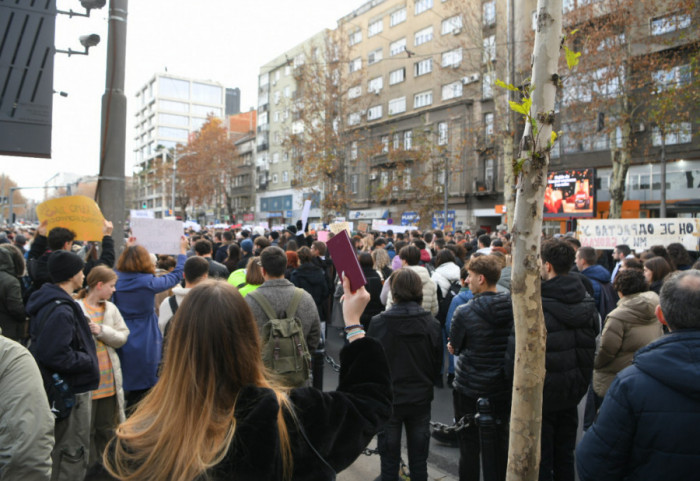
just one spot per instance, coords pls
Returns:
(571, 320)
(629, 327)
(430, 302)
(13, 323)
(114, 335)
(410, 336)
(444, 275)
(313, 280)
(649, 423)
(479, 336)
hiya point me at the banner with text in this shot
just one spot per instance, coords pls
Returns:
(159, 236)
(639, 234)
(77, 213)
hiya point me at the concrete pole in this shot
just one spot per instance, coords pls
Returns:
(111, 187)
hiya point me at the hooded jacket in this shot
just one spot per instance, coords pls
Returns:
(444, 275)
(479, 336)
(12, 318)
(411, 338)
(64, 345)
(374, 287)
(312, 279)
(430, 302)
(571, 319)
(598, 275)
(649, 423)
(629, 327)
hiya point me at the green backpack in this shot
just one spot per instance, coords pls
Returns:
(284, 350)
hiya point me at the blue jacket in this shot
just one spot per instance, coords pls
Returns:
(649, 424)
(135, 298)
(597, 274)
(64, 345)
(463, 296)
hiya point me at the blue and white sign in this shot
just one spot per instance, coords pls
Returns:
(439, 219)
(410, 218)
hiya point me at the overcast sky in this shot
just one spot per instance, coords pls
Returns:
(222, 40)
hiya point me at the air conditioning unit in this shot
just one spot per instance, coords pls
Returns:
(372, 176)
(457, 31)
(639, 127)
(468, 79)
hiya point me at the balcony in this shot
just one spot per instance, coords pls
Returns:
(483, 187)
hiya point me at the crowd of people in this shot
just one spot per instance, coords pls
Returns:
(198, 365)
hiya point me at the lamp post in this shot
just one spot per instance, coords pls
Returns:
(447, 182)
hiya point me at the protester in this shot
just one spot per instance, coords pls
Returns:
(649, 423)
(62, 344)
(195, 270)
(217, 270)
(446, 272)
(655, 270)
(110, 333)
(373, 286)
(410, 257)
(233, 258)
(135, 299)
(13, 320)
(680, 258)
(620, 253)
(311, 278)
(381, 263)
(411, 337)
(247, 253)
(224, 420)
(248, 279)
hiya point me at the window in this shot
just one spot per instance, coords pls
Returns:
(397, 47)
(442, 133)
(173, 88)
(288, 92)
(452, 57)
(355, 92)
(674, 77)
(408, 139)
(174, 106)
(407, 178)
(489, 13)
(276, 97)
(287, 70)
(275, 158)
(452, 25)
(205, 110)
(669, 23)
(374, 56)
(276, 116)
(275, 178)
(285, 176)
(262, 118)
(355, 37)
(396, 144)
(452, 90)
(607, 82)
(375, 27)
(264, 79)
(375, 85)
(574, 90)
(354, 183)
(679, 133)
(422, 99)
(355, 64)
(489, 49)
(397, 17)
(354, 118)
(396, 76)
(374, 113)
(488, 124)
(423, 36)
(422, 5)
(487, 85)
(179, 120)
(423, 67)
(385, 144)
(397, 106)
(568, 6)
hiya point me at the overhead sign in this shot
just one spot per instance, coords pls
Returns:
(77, 213)
(639, 234)
(159, 236)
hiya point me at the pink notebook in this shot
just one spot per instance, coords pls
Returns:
(345, 259)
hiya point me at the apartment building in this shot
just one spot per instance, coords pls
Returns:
(170, 108)
(632, 53)
(428, 110)
(241, 188)
(278, 201)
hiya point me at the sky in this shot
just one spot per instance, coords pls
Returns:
(221, 40)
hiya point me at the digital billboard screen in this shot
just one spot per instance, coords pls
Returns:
(570, 193)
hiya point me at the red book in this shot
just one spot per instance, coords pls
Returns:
(345, 259)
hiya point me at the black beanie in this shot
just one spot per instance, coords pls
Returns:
(63, 265)
(291, 229)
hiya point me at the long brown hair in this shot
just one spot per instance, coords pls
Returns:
(186, 424)
(136, 259)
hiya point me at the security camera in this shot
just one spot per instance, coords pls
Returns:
(90, 4)
(88, 41)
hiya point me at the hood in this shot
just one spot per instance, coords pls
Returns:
(637, 308)
(494, 308)
(449, 271)
(566, 288)
(6, 264)
(565, 298)
(422, 272)
(597, 273)
(673, 361)
(47, 293)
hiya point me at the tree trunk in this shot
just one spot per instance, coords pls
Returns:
(621, 159)
(662, 203)
(530, 334)
(509, 180)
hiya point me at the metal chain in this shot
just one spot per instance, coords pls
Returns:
(463, 423)
(334, 365)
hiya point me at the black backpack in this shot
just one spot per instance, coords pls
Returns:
(445, 301)
(608, 300)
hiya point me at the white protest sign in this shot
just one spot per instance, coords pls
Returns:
(639, 234)
(142, 214)
(159, 236)
(305, 214)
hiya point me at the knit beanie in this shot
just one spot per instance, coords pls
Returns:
(247, 245)
(63, 265)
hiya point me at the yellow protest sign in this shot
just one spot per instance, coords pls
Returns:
(77, 213)
(339, 226)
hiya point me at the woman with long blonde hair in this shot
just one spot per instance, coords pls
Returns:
(214, 415)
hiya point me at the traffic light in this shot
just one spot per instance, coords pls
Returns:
(143, 206)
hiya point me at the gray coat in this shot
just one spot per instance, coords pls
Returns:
(279, 293)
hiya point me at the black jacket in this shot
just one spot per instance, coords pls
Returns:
(312, 279)
(479, 335)
(374, 287)
(12, 318)
(65, 344)
(217, 270)
(411, 337)
(571, 317)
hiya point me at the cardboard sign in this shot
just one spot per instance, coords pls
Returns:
(338, 227)
(323, 235)
(77, 213)
(362, 226)
(305, 214)
(639, 234)
(159, 236)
